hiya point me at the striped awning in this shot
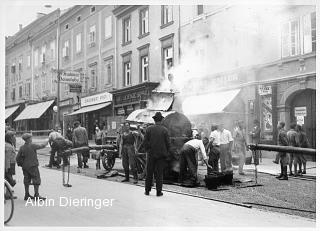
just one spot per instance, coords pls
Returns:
(90, 108)
(10, 111)
(34, 111)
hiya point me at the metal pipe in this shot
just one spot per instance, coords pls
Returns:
(88, 148)
(278, 148)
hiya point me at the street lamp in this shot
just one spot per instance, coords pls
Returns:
(58, 67)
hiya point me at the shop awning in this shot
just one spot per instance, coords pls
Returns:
(145, 115)
(90, 108)
(34, 111)
(10, 111)
(208, 103)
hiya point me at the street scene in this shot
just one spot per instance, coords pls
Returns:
(161, 116)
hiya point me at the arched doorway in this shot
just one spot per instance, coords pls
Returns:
(302, 103)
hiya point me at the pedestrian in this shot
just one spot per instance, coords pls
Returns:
(54, 134)
(98, 136)
(28, 160)
(283, 156)
(10, 158)
(69, 133)
(60, 144)
(127, 150)
(294, 142)
(80, 139)
(214, 148)
(188, 159)
(303, 143)
(226, 143)
(157, 146)
(255, 138)
(240, 144)
(104, 133)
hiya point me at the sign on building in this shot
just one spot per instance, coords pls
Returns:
(264, 90)
(96, 99)
(75, 88)
(300, 111)
(71, 77)
(300, 120)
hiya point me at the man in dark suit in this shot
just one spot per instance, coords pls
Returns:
(157, 145)
(80, 139)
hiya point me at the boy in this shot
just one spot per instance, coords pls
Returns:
(28, 160)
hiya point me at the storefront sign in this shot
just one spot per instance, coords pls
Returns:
(66, 103)
(75, 88)
(300, 111)
(70, 77)
(133, 97)
(120, 111)
(95, 99)
(300, 120)
(264, 90)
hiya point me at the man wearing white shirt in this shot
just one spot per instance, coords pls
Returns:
(226, 142)
(188, 158)
(213, 148)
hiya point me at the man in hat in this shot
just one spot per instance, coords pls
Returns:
(255, 137)
(283, 156)
(157, 145)
(28, 160)
(80, 139)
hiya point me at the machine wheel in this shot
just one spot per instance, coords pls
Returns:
(108, 161)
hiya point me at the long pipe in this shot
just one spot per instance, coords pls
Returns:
(88, 148)
(289, 149)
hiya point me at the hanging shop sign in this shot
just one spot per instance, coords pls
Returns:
(71, 77)
(75, 88)
(96, 99)
(66, 102)
(264, 90)
(300, 120)
(300, 111)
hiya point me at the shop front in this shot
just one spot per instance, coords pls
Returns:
(12, 112)
(94, 111)
(36, 117)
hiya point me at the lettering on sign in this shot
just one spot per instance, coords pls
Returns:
(300, 111)
(264, 90)
(75, 88)
(96, 99)
(70, 77)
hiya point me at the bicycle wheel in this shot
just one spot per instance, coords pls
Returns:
(8, 204)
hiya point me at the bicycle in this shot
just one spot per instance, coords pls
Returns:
(8, 202)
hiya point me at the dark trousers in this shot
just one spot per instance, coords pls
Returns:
(214, 156)
(155, 168)
(53, 152)
(9, 178)
(188, 161)
(128, 159)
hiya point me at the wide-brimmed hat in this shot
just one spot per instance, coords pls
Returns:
(158, 116)
(26, 136)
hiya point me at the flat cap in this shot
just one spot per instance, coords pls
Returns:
(26, 136)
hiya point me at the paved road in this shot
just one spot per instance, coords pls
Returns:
(130, 207)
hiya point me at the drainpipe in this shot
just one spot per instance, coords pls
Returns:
(115, 83)
(179, 36)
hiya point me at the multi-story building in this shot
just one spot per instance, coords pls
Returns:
(20, 59)
(147, 47)
(87, 41)
(246, 63)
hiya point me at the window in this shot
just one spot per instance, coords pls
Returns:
(92, 35)
(144, 21)
(108, 27)
(13, 68)
(92, 9)
(309, 33)
(13, 94)
(145, 68)
(126, 30)
(43, 81)
(66, 26)
(93, 76)
(28, 61)
(20, 92)
(20, 64)
(54, 82)
(199, 9)
(52, 49)
(43, 52)
(78, 43)
(167, 58)
(36, 58)
(79, 18)
(290, 39)
(127, 74)
(167, 16)
(108, 72)
(65, 49)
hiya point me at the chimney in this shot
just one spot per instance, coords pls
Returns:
(20, 27)
(39, 15)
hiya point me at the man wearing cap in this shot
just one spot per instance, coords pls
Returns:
(28, 160)
(157, 145)
(54, 134)
(80, 139)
